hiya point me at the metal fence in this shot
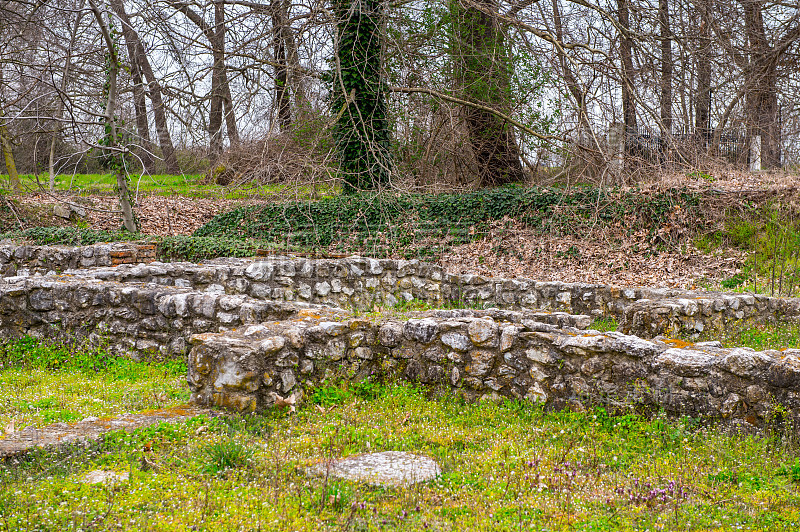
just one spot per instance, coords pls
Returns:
(685, 144)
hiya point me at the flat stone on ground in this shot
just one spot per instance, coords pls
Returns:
(89, 429)
(101, 476)
(389, 468)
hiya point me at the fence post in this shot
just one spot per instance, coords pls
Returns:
(616, 145)
(755, 154)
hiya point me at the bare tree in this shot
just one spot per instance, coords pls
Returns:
(138, 57)
(220, 97)
(128, 216)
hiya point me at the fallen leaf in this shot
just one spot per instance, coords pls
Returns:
(281, 402)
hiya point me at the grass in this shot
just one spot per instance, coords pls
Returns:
(604, 324)
(506, 466)
(42, 384)
(758, 336)
(770, 234)
(171, 185)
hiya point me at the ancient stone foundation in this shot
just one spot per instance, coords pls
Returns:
(256, 332)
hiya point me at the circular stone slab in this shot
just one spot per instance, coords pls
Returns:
(389, 468)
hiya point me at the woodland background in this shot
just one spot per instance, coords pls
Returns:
(436, 95)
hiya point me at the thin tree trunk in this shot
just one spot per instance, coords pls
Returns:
(51, 162)
(8, 155)
(140, 110)
(578, 94)
(6, 147)
(215, 113)
(128, 218)
(702, 104)
(220, 89)
(293, 68)
(666, 69)
(626, 59)
(282, 97)
(762, 98)
(139, 94)
(224, 87)
(154, 90)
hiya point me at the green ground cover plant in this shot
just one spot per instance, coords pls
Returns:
(43, 383)
(604, 324)
(506, 466)
(168, 248)
(424, 225)
(770, 234)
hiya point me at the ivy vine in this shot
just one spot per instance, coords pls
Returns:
(358, 96)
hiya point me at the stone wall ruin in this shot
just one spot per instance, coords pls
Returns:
(255, 330)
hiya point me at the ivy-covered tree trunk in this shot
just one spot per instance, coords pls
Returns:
(482, 71)
(358, 95)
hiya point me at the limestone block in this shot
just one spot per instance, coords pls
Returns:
(422, 330)
(482, 331)
(457, 341)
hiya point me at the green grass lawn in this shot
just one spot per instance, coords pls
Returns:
(181, 185)
(758, 336)
(42, 384)
(507, 466)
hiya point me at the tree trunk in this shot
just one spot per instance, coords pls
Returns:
(666, 69)
(578, 94)
(483, 74)
(8, 155)
(702, 103)
(139, 94)
(222, 74)
(762, 96)
(140, 110)
(128, 217)
(626, 59)
(215, 113)
(282, 97)
(51, 163)
(294, 71)
(154, 90)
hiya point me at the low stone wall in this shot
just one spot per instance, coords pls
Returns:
(40, 260)
(358, 283)
(361, 284)
(134, 319)
(144, 319)
(246, 349)
(485, 357)
(695, 312)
